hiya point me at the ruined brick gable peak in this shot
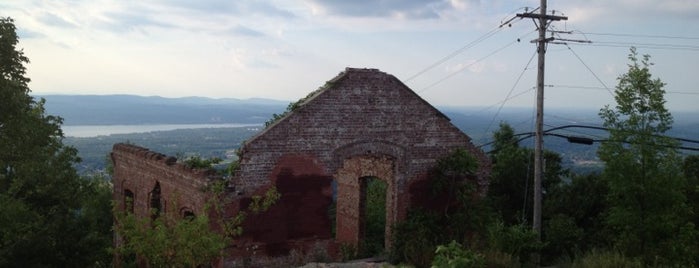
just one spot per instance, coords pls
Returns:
(369, 74)
(361, 75)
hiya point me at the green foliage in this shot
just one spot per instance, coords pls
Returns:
(375, 218)
(197, 162)
(455, 255)
(574, 217)
(517, 240)
(499, 259)
(171, 240)
(690, 169)
(562, 236)
(415, 238)
(648, 209)
(511, 179)
(606, 259)
(293, 106)
(463, 217)
(49, 216)
(348, 252)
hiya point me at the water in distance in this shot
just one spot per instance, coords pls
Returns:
(86, 131)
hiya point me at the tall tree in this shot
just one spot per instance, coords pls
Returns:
(41, 195)
(648, 211)
(510, 190)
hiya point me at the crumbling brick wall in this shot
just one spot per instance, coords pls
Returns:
(139, 171)
(363, 123)
(361, 114)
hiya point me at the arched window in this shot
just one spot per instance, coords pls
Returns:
(156, 205)
(188, 214)
(128, 200)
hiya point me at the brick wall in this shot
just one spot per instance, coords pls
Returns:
(364, 123)
(361, 113)
(138, 170)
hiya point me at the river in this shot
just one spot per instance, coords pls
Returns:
(86, 131)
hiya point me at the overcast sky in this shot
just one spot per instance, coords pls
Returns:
(287, 48)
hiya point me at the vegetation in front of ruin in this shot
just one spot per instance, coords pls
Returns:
(183, 239)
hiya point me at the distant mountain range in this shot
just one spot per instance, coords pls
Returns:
(137, 110)
(479, 123)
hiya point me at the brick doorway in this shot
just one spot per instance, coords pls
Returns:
(350, 191)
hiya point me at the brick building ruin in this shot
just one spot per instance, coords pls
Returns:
(363, 123)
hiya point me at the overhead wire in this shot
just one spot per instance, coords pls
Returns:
(641, 45)
(505, 100)
(519, 78)
(462, 68)
(456, 52)
(641, 35)
(585, 64)
(601, 88)
(469, 45)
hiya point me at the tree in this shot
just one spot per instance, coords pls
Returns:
(691, 172)
(43, 201)
(575, 217)
(510, 190)
(648, 212)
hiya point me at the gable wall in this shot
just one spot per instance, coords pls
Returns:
(365, 106)
(363, 113)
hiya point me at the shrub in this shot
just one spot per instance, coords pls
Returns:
(517, 240)
(455, 255)
(611, 259)
(415, 239)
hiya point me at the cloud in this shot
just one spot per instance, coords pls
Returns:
(51, 19)
(407, 9)
(120, 21)
(240, 30)
(602, 11)
(24, 33)
(228, 7)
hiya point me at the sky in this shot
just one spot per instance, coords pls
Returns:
(451, 52)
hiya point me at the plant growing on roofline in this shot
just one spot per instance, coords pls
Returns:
(295, 105)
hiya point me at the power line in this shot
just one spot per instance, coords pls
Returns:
(471, 64)
(527, 135)
(456, 52)
(589, 69)
(646, 46)
(601, 88)
(467, 46)
(657, 45)
(526, 67)
(641, 35)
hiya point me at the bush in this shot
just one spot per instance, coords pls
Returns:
(415, 239)
(517, 240)
(611, 259)
(455, 255)
(499, 259)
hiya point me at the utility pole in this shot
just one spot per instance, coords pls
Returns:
(543, 22)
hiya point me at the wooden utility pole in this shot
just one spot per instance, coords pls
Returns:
(543, 21)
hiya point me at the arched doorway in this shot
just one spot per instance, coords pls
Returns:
(352, 181)
(373, 216)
